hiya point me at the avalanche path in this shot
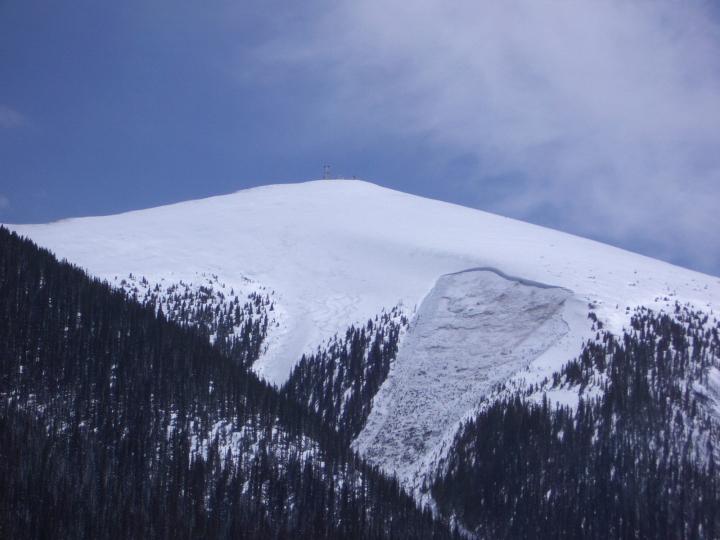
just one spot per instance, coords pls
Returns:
(473, 330)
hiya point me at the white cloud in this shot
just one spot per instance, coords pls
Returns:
(10, 118)
(4, 202)
(609, 111)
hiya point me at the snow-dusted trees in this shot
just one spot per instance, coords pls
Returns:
(339, 381)
(636, 462)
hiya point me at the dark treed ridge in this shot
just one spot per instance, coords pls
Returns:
(339, 381)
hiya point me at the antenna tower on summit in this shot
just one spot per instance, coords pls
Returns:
(326, 172)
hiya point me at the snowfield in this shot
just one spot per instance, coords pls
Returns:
(338, 251)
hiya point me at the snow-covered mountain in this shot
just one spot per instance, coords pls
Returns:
(488, 297)
(338, 251)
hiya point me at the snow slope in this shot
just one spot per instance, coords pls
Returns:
(474, 330)
(336, 252)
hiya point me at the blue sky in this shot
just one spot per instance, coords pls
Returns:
(598, 118)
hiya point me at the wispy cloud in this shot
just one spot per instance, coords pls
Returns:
(4, 202)
(10, 118)
(607, 114)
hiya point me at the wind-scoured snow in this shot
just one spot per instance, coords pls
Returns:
(337, 252)
(473, 331)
